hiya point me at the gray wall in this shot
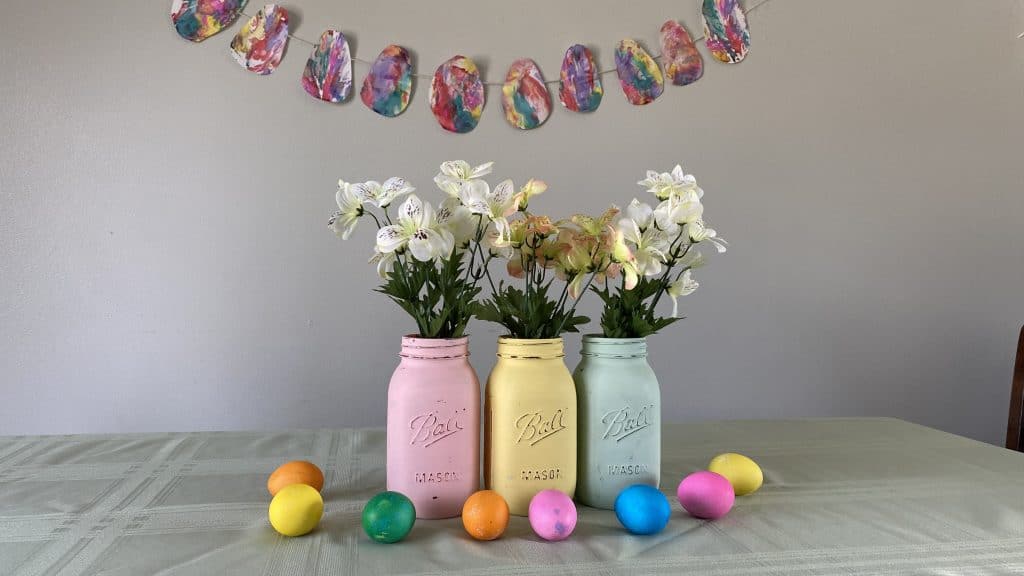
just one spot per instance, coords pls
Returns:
(165, 262)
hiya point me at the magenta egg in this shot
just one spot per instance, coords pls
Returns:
(552, 515)
(706, 495)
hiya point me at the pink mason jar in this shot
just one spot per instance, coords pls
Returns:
(434, 426)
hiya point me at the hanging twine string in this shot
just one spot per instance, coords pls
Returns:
(753, 7)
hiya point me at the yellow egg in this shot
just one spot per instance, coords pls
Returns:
(743, 473)
(296, 510)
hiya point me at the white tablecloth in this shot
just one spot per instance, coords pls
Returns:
(841, 496)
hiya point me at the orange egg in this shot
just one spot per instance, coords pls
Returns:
(297, 472)
(485, 515)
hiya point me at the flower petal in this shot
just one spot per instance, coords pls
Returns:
(393, 188)
(410, 213)
(481, 170)
(640, 212)
(390, 238)
(368, 191)
(455, 168)
(473, 191)
(503, 195)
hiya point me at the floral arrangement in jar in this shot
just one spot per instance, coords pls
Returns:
(619, 397)
(662, 241)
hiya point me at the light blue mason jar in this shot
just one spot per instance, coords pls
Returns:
(619, 419)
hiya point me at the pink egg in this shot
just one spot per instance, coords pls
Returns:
(706, 495)
(552, 515)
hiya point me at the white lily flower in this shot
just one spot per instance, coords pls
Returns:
(682, 287)
(692, 259)
(649, 244)
(668, 184)
(455, 173)
(677, 210)
(383, 262)
(698, 232)
(417, 230)
(382, 194)
(350, 208)
(456, 218)
(641, 213)
(496, 205)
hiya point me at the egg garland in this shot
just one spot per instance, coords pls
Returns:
(485, 515)
(296, 510)
(552, 515)
(642, 509)
(388, 517)
(743, 473)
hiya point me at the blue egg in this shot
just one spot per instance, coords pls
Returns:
(643, 509)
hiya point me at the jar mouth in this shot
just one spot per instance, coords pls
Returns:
(599, 339)
(414, 346)
(597, 346)
(530, 348)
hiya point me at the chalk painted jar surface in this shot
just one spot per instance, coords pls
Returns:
(620, 419)
(530, 422)
(433, 438)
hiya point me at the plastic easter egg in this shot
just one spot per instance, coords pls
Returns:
(743, 473)
(296, 510)
(642, 509)
(706, 495)
(297, 472)
(485, 515)
(388, 517)
(552, 515)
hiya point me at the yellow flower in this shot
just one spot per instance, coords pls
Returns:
(531, 189)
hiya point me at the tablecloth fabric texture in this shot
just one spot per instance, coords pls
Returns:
(841, 496)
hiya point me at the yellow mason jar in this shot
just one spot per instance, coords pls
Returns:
(530, 422)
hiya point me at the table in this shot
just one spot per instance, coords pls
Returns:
(841, 496)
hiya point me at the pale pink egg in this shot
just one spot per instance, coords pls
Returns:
(552, 515)
(706, 495)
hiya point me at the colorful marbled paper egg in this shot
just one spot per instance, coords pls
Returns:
(197, 20)
(640, 76)
(260, 45)
(524, 95)
(457, 95)
(683, 63)
(725, 30)
(328, 72)
(580, 87)
(388, 85)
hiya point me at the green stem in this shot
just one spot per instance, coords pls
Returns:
(487, 273)
(421, 324)
(474, 247)
(562, 297)
(374, 216)
(572, 311)
(663, 282)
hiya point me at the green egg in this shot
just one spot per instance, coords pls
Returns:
(388, 517)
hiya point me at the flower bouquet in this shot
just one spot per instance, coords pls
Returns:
(619, 395)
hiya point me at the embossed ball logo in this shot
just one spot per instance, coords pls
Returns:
(623, 423)
(430, 428)
(533, 427)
